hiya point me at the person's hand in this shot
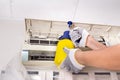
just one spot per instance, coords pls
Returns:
(79, 36)
(70, 63)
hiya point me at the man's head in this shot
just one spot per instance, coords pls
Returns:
(70, 24)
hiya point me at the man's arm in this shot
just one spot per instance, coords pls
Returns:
(107, 58)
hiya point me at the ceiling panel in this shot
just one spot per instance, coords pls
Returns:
(87, 11)
(45, 9)
(98, 11)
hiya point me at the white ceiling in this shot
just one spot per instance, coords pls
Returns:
(85, 11)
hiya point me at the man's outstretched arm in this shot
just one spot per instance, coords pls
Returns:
(106, 58)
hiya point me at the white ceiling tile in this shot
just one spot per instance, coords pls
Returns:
(45, 9)
(98, 11)
(88, 11)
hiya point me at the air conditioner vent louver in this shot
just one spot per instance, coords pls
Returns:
(43, 42)
(33, 72)
(42, 58)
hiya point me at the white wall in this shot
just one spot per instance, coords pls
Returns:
(11, 39)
